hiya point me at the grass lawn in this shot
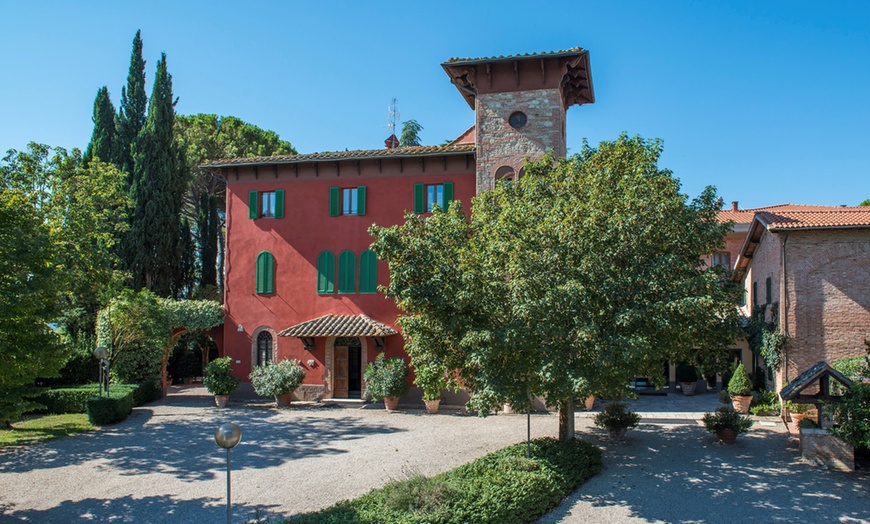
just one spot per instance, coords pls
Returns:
(37, 428)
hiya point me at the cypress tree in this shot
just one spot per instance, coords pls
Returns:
(131, 113)
(157, 191)
(207, 225)
(187, 270)
(103, 137)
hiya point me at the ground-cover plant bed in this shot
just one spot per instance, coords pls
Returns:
(37, 428)
(503, 487)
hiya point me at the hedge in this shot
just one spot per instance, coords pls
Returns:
(503, 487)
(74, 399)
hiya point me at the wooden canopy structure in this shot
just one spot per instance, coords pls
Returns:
(817, 382)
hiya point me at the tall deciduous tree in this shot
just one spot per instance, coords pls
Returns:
(28, 283)
(410, 133)
(566, 283)
(157, 192)
(131, 115)
(102, 145)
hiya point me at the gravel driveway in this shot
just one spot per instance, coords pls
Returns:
(162, 465)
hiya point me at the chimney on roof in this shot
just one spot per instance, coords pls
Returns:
(734, 206)
(392, 142)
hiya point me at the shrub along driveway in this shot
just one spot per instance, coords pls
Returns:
(162, 465)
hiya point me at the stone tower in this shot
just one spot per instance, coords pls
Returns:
(520, 103)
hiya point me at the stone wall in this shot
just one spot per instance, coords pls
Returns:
(498, 144)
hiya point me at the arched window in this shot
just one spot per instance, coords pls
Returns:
(264, 348)
(326, 272)
(347, 272)
(368, 272)
(505, 174)
(265, 273)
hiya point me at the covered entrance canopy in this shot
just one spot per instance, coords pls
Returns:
(346, 348)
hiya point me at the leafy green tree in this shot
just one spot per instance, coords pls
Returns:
(131, 113)
(187, 277)
(28, 280)
(566, 283)
(135, 328)
(157, 192)
(865, 202)
(102, 145)
(410, 133)
(204, 137)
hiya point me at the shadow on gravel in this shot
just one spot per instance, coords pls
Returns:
(185, 448)
(680, 473)
(153, 510)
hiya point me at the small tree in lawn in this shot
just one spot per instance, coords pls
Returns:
(569, 282)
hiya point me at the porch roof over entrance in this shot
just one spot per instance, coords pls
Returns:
(339, 326)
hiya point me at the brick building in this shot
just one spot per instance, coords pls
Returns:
(300, 281)
(809, 268)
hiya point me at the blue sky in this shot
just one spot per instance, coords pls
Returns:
(768, 101)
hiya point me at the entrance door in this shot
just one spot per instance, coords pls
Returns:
(341, 372)
(354, 378)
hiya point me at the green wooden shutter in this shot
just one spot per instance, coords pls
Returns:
(419, 198)
(279, 203)
(253, 205)
(448, 194)
(326, 273)
(347, 272)
(755, 294)
(769, 293)
(361, 200)
(265, 273)
(368, 272)
(334, 201)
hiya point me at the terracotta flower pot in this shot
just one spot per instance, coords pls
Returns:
(589, 402)
(617, 434)
(726, 436)
(391, 403)
(432, 405)
(688, 388)
(284, 400)
(741, 403)
(221, 400)
(507, 409)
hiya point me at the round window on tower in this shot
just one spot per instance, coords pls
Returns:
(517, 119)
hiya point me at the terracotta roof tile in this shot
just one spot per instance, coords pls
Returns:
(339, 326)
(359, 154)
(745, 216)
(571, 51)
(842, 217)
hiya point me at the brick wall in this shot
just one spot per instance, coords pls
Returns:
(828, 303)
(498, 144)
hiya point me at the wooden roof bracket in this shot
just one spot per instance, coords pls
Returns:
(489, 73)
(543, 72)
(256, 172)
(380, 167)
(275, 170)
(337, 169)
(296, 170)
(316, 169)
(517, 71)
(237, 173)
(358, 169)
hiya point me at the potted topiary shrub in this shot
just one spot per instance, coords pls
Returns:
(432, 381)
(219, 380)
(740, 388)
(617, 419)
(687, 376)
(278, 380)
(387, 379)
(726, 423)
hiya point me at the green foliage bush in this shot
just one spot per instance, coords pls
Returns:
(109, 410)
(852, 416)
(686, 373)
(386, 377)
(726, 418)
(274, 380)
(740, 384)
(616, 416)
(503, 487)
(765, 403)
(219, 379)
(855, 368)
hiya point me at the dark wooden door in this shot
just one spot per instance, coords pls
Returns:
(340, 370)
(354, 372)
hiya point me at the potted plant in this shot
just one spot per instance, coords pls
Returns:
(617, 419)
(219, 380)
(726, 423)
(687, 376)
(740, 388)
(278, 380)
(387, 379)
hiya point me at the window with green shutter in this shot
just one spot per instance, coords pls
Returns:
(768, 284)
(427, 196)
(368, 272)
(334, 201)
(279, 203)
(326, 273)
(755, 294)
(265, 273)
(419, 198)
(347, 272)
(253, 205)
(361, 200)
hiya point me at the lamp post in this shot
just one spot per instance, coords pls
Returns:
(103, 355)
(228, 436)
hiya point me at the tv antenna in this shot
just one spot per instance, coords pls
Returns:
(393, 116)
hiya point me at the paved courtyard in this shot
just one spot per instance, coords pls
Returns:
(162, 465)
